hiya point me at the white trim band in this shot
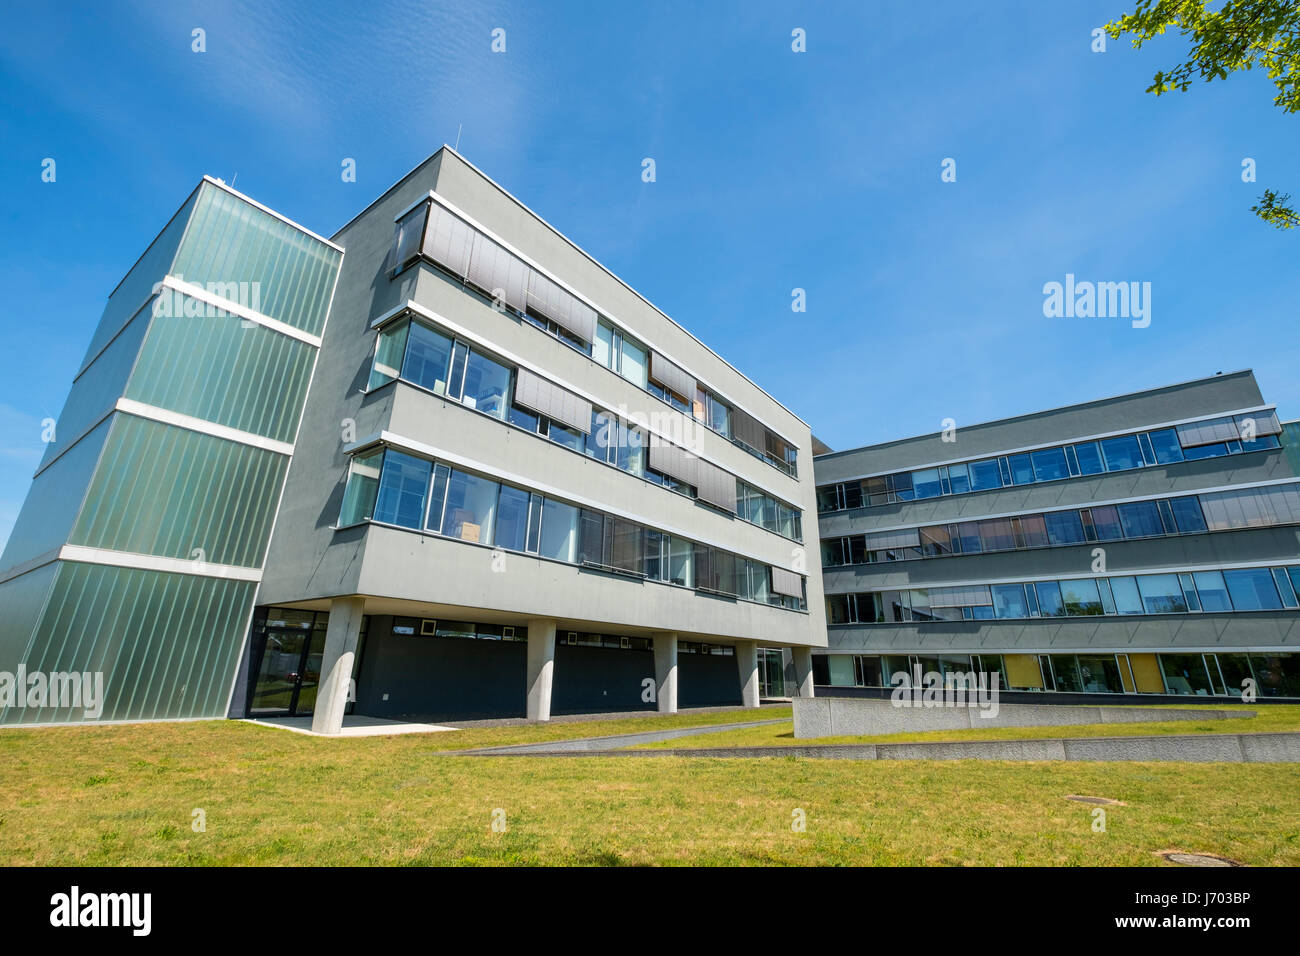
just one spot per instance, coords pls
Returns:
(167, 417)
(242, 311)
(153, 562)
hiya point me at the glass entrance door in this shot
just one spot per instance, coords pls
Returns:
(292, 644)
(771, 673)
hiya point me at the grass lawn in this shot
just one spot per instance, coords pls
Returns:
(1270, 718)
(125, 795)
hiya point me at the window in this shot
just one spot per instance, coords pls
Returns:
(559, 532)
(1022, 469)
(1009, 601)
(656, 546)
(1049, 464)
(959, 479)
(680, 562)
(936, 541)
(1187, 514)
(1252, 589)
(1127, 598)
(389, 347)
(602, 349)
(1049, 599)
(995, 535)
(633, 362)
(1166, 446)
(427, 359)
(362, 486)
(471, 507)
(1080, 597)
(1211, 590)
(1064, 527)
(1185, 674)
(984, 475)
(487, 385)
(512, 519)
(1105, 521)
(1162, 594)
(927, 483)
(402, 488)
(1089, 456)
(1140, 519)
(968, 534)
(1121, 453)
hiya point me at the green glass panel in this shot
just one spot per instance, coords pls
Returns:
(138, 285)
(167, 645)
(388, 354)
(168, 491)
(53, 500)
(23, 600)
(289, 275)
(98, 388)
(223, 369)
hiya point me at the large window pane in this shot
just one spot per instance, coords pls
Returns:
(1049, 464)
(1009, 601)
(959, 479)
(427, 359)
(1127, 598)
(1166, 446)
(1252, 589)
(471, 507)
(1100, 675)
(1064, 527)
(1122, 452)
(680, 562)
(1185, 674)
(968, 534)
(487, 385)
(363, 485)
(1089, 456)
(927, 483)
(1049, 599)
(1105, 520)
(1022, 469)
(632, 364)
(984, 475)
(402, 489)
(1187, 514)
(995, 535)
(602, 350)
(1080, 597)
(512, 519)
(1277, 675)
(559, 538)
(1140, 519)
(388, 354)
(1162, 594)
(1212, 591)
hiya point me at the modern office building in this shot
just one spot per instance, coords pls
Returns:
(1142, 545)
(442, 465)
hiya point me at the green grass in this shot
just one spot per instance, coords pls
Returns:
(119, 795)
(1270, 718)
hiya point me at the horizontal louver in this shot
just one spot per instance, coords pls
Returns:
(748, 429)
(671, 376)
(1266, 423)
(448, 240)
(673, 461)
(787, 583)
(882, 540)
(960, 596)
(498, 273)
(716, 486)
(547, 298)
(546, 398)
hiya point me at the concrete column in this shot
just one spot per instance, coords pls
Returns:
(803, 672)
(541, 667)
(666, 672)
(747, 662)
(336, 664)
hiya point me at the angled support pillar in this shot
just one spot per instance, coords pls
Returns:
(336, 664)
(803, 672)
(666, 672)
(747, 663)
(541, 667)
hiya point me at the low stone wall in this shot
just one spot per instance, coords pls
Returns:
(862, 717)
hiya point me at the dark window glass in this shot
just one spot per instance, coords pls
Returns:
(1278, 675)
(828, 498)
(1089, 458)
(512, 519)
(959, 479)
(853, 494)
(936, 541)
(968, 533)
(1022, 469)
(1141, 519)
(524, 418)
(1049, 464)
(1185, 674)
(402, 488)
(1166, 446)
(1205, 451)
(927, 483)
(1033, 529)
(1211, 590)
(1261, 442)
(1105, 519)
(837, 609)
(902, 486)
(1049, 599)
(1064, 527)
(427, 356)
(1162, 594)
(996, 535)
(1122, 453)
(833, 552)
(1187, 514)
(1252, 589)
(1009, 601)
(984, 475)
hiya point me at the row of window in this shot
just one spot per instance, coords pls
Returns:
(1217, 511)
(468, 630)
(417, 353)
(1207, 439)
(1241, 589)
(1204, 675)
(396, 488)
(431, 231)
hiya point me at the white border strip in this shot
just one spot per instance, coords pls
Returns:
(1163, 496)
(1060, 443)
(489, 346)
(234, 308)
(529, 484)
(167, 417)
(153, 562)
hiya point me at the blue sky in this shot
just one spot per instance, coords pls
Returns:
(775, 170)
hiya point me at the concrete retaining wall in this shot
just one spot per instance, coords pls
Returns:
(849, 716)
